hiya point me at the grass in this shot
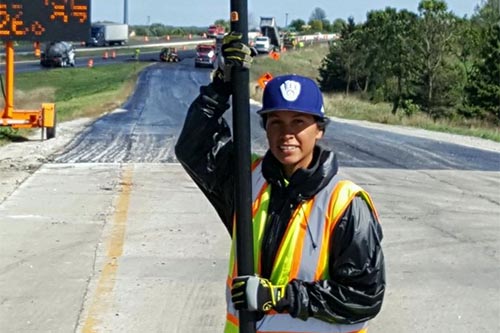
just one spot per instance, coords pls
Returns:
(77, 92)
(306, 63)
(83, 92)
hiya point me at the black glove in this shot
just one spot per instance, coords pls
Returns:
(253, 293)
(234, 54)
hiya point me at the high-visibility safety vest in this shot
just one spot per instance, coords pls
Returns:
(303, 253)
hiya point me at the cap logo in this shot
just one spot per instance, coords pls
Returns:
(290, 90)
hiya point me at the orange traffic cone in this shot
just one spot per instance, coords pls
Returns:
(190, 36)
(274, 55)
(146, 38)
(113, 54)
(90, 63)
(105, 55)
(168, 37)
(264, 79)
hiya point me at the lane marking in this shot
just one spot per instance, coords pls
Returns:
(103, 293)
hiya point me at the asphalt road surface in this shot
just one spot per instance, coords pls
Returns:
(111, 235)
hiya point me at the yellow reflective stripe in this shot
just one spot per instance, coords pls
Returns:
(289, 255)
(259, 224)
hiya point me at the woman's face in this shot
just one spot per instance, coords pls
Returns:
(292, 136)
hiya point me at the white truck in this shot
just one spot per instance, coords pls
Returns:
(263, 44)
(104, 34)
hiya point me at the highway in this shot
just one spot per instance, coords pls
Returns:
(110, 235)
(83, 54)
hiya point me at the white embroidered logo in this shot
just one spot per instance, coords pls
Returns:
(290, 90)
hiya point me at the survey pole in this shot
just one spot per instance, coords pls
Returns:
(242, 167)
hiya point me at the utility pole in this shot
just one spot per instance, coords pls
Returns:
(286, 20)
(242, 165)
(125, 11)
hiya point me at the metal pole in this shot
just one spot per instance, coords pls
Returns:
(9, 80)
(243, 188)
(125, 11)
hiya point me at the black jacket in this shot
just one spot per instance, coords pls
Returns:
(356, 289)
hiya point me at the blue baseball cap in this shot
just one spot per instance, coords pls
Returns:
(292, 93)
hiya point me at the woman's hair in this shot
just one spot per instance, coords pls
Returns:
(321, 121)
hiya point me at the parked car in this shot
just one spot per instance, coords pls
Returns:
(205, 55)
(169, 54)
(58, 54)
(263, 44)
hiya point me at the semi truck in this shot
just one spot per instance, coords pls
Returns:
(269, 28)
(104, 34)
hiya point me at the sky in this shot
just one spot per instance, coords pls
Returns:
(202, 13)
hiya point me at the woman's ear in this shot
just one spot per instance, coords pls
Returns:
(320, 133)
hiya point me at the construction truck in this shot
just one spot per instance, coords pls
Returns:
(104, 34)
(269, 28)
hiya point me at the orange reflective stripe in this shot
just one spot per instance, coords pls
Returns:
(232, 319)
(297, 254)
(255, 163)
(256, 203)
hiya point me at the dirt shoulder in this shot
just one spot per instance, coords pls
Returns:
(18, 160)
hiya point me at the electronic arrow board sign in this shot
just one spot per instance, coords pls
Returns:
(44, 20)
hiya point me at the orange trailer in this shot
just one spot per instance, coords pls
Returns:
(44, 118)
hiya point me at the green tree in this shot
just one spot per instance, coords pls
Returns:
(327, 25)
(318, 14)
(332, 72)
(297, 24)
(157, 29)
(337, 25)
(316, 25)
(388, 40)
(483, 89)
(434, 46)
(341, 69)
(223, 23)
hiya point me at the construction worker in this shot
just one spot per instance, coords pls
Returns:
(137, 53)
(317, 239)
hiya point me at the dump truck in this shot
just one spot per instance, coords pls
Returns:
(269, 28)
(104, 34)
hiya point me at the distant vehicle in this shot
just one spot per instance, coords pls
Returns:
(104, 34)
(169, 54)
(263, 44)
(318, 35)
(205, 55)
(269, 28)
(215, 30)
(58, 54)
